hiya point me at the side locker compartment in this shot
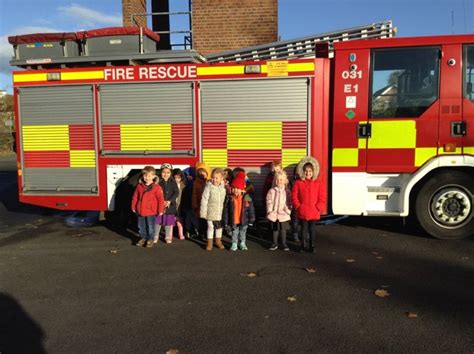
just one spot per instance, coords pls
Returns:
(249, 123)
(57, 140)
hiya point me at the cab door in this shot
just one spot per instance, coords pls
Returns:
(451, 125)
(402, 129)
(465, 126)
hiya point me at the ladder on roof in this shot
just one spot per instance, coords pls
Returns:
(304, 46)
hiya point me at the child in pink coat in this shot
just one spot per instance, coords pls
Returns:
(278, 202)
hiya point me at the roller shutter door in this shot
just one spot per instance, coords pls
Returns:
(58, 140)
(147, 118)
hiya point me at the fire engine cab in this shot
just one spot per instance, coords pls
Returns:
(390, 121)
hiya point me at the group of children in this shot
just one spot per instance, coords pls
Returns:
(222, 199)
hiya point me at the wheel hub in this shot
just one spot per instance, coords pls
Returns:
(451, 207)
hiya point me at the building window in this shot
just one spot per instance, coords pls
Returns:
(405, 82)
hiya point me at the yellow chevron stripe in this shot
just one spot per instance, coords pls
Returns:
(215, 157)
(144, 137)
(82, 158)
(254, 135)
(45, 137)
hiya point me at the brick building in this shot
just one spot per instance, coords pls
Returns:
(220, 25)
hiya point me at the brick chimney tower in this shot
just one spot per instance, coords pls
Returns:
(220, 25)
(130, 7)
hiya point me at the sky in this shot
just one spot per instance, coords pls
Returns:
(296, 18)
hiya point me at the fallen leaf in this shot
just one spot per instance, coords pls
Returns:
(385, 286)
(381, 293)
(333, 252)
(113, 251)
(172, 351)
(250, 274)
(350, 260)
(379, 257)
(291, 298)
(310, 270)
(411, 314)
(375, 253)
(267, 317)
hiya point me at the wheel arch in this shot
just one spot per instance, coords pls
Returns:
(434, 167)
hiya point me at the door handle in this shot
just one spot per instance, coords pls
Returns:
(458, 128)
(364, 130)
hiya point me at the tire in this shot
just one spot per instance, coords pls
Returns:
(445, 207)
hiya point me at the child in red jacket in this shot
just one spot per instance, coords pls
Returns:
(308, 198)
(147, 202)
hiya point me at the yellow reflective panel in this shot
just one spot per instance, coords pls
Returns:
(469, 150)
(292, 156)
(215, 157)
(142, 137)
(424, 154)
(254, 135)
(296, 67)
(82, 75)
(29, 77)
(345, 157)
(82, 158)
(45, 137)
(393, 134)
(221, 70)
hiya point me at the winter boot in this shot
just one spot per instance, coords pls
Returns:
(209, 244)
(219, 243)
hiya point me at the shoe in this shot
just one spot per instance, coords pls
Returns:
(149, 244)
(219, 243)
(168, 241)
(155, 239)
(273, 247)
(234, 246)
(209, 244)
(188, 234)
(181, 237)
(286, 248)
(243, 246)
(141, 242)
(296, 238)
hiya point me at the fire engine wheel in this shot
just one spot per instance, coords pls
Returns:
(444, 205)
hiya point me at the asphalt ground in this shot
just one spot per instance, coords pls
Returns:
(83, 290)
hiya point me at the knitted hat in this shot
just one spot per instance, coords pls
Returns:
(204, 166)
(239, 181)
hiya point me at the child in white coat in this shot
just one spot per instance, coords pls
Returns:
(212, 205)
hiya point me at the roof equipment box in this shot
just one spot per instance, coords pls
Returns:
(118, 40)
(42, 47)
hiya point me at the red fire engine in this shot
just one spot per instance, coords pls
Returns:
(390, 121)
